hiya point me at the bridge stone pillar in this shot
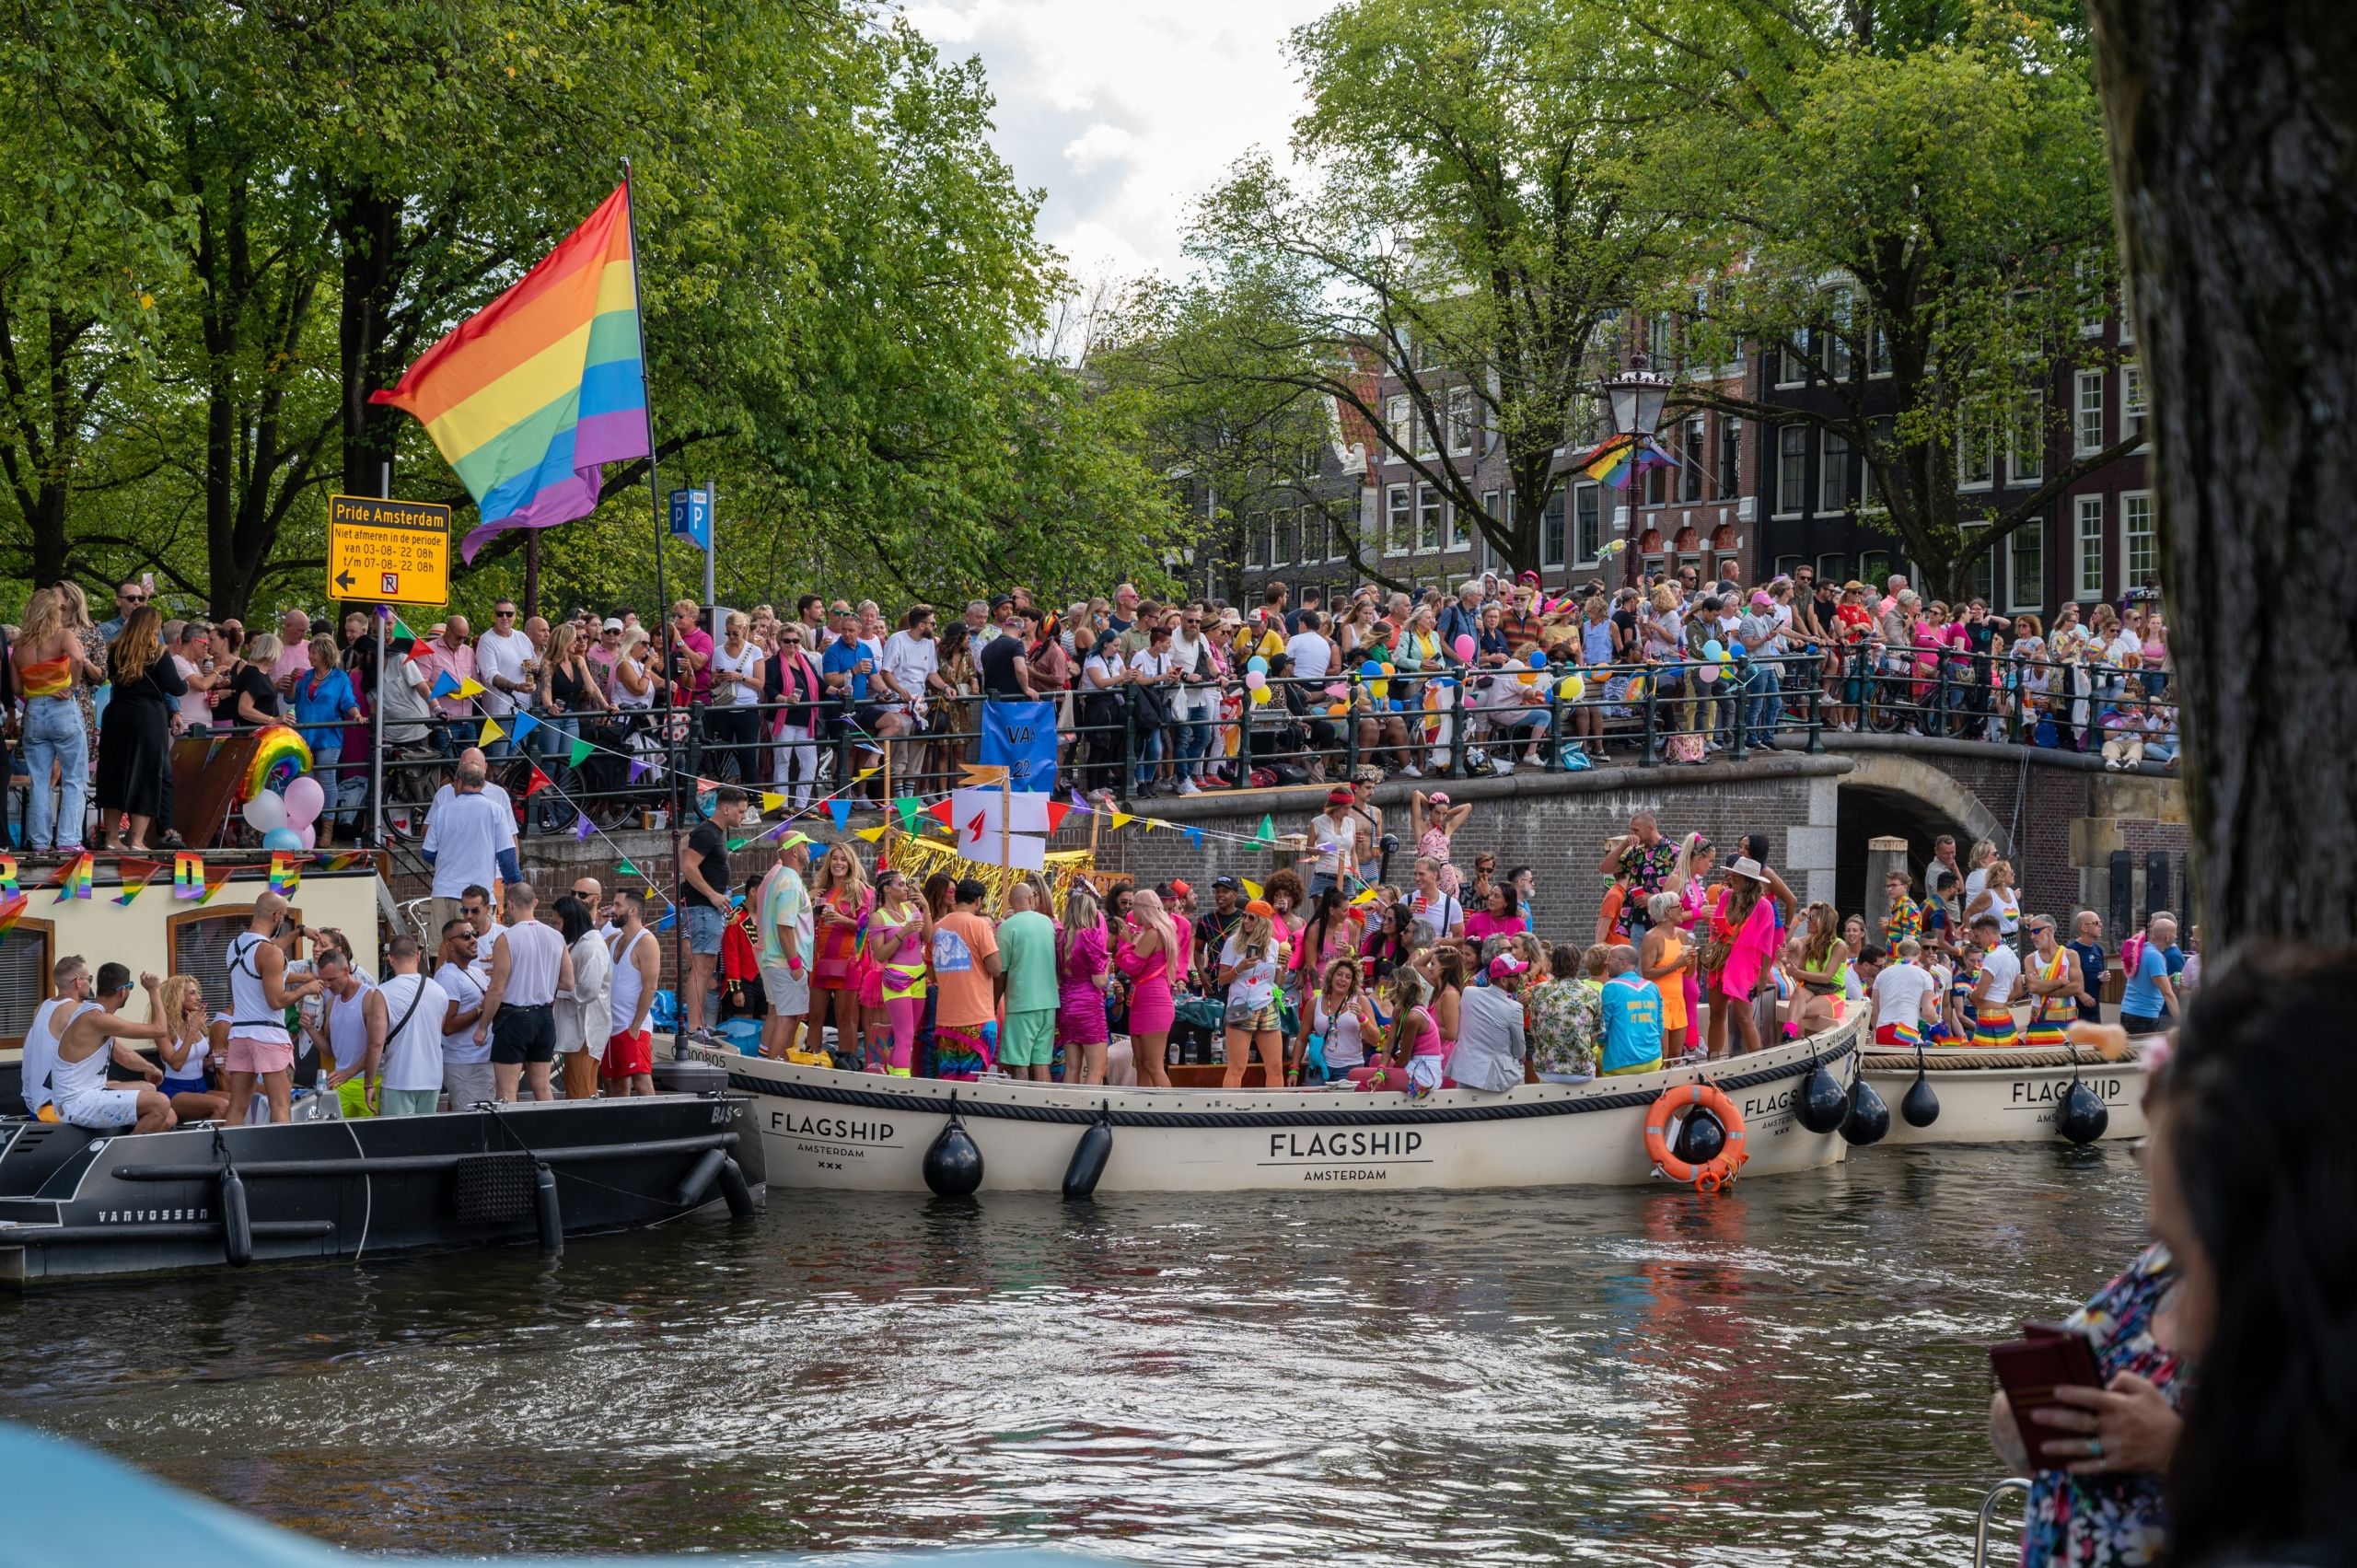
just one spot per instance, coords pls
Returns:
(1885, 854)
(1809, 847)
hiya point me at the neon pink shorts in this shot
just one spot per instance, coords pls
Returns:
(261, 1056)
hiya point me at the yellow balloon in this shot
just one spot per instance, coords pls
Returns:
(1569, 687)
(1379, 690)
(1259, 696)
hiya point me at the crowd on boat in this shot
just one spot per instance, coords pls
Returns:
(1151, 695)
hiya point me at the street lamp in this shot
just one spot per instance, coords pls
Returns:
(1632, 401)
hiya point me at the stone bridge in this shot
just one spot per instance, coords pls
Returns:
(2079, 836)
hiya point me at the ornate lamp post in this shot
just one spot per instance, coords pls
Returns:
(1632, 402)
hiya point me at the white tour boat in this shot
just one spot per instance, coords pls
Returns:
(868, 1133)
(1979, 1095)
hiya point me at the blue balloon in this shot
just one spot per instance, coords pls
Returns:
(282, 837)
(1257, 665)
(1398, 705)
(1711, 651)
(1371, 670)
(1538, 660)
(1735, 650)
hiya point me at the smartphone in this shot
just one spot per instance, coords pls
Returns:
(2029, 1369)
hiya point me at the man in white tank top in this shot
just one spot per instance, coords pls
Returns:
(259, 1047)
(354, 1024)
(629, 1064)
(70, 979)
(93, 1035)
(530, 964)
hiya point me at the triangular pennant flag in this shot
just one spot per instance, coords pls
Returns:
(736, 844)
(346, 861)
(865, 773)
(771, 800)
(639, 767)
(188, 875)
(973, 774)
(525, 724)
(539, 782)
(401, 630)
(285, 873)
(939, 812)
(627, 869)
(213, 882)
(1268, 829)
(470, 687)
(1366, 896)
(8, 888)
(73, 877)
(581, 750)
(1057, 812)
(840, 811)
(9, 912)
(583, 829)
(444, 685)
(1195, 837)
(491, 732)
(1251, 888)
(134, 874)
(871, 834)
(1121, 818)
(906, 807)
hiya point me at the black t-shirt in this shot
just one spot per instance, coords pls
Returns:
(998, 659)
(712, 855)
(1626, 622)
(254, 682)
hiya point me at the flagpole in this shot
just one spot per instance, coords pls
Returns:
(680, 963)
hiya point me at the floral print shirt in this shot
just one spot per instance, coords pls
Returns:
(1564, 1019)
(1652, 866)
(2111, 1521)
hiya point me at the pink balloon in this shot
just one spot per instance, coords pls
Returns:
(309, 833)
(1464, 645)
(305, 799)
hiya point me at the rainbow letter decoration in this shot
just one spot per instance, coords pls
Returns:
(285, 873)
(8, 877)
(529, 398)
(188, 875)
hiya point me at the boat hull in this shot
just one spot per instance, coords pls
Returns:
(2002, 1104)
(865, 1132)
(74, 1206)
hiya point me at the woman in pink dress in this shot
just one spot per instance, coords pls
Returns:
(1751, 917)
(1081, 971)
(1152, 949)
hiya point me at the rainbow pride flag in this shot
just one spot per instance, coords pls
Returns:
(531, 396)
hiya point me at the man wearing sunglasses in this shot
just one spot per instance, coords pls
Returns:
(129, 594)
(503, 664)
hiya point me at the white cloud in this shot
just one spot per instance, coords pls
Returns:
(1125, 110)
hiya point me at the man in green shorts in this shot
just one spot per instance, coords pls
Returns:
(1027, 949)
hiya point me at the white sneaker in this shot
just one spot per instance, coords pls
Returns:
(1189, 786)
(1503, 766)
(1409, 770)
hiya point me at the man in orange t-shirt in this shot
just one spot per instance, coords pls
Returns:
(965, 972)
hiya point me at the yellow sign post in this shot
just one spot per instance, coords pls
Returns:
(388, 551)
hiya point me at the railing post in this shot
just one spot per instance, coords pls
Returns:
(1244, 742)
(1940, 692)
(1128, 750)
(1737, 747)
(1816, 709)
(843, 706)
(1554, 719)
(1651, 754)
(1351, 720)
(2013, 701)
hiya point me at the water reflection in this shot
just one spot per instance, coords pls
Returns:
(1790, 1374)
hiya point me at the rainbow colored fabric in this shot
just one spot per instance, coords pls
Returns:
(530, 397)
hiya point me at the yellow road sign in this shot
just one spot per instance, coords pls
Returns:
(388, 551)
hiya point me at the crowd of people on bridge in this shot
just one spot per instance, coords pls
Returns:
(1152, 696)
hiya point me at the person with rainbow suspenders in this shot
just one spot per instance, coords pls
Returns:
(2053, 981)
(1993, 994)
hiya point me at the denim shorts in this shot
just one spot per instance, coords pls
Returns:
(704, 927)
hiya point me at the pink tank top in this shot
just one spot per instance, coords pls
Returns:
(1428, 1039)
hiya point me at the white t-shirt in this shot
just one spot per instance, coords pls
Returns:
(1899, 992)
(465, 835)
(1329, 842)
(1187, 657)
(1999, 970)
(1437, 914)
(195, 711)
(909, 659)
(1312, 655)
(1344, 1045)
(459, 986)
(503, 658)
(1973, 882)
(745, 661)
(1256, 982)
(412, 1059)
(1152, 666)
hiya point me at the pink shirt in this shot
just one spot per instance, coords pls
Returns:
(434, 659)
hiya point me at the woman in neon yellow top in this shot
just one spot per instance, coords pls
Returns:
(899, 934)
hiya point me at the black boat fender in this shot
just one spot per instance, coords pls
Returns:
(236, 1224)
(551, 1213)
(1089, 1156)
(1821, 1105)
(1868, 1118)
(2085, 1117)
(953, 1165)
(1919, 1105)
(736, 1189)
(701, 1176)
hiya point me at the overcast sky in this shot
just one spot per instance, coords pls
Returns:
(1124, 110)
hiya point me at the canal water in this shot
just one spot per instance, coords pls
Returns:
(1792, 1372)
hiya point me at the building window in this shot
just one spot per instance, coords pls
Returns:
(1792, 469)
(1461, 421)
(1428, 520)
(2131, 398)
(1256, 541)
(1878, 351)
(1460, 527)
(1787, 564)
(2126, 307)
(1660, 340)
(1976, 451)
(1689, 472)
(2087, 417)
(1550, 531)
(2025, 441)
(1834, 568)
(1874, 568)
(1836, 336)
(25, 966)
(1587, 524)
(1730, 456)
(1791, 366)
(2087, 543)
(2140, 543)
(2086, 277)
(1399, 532)
(1397, 423)
(1833, 473)
(2028, 574)
(1981, 577)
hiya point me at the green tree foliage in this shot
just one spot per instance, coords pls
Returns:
(838, 273)
(1906, 204)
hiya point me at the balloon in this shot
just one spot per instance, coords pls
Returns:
(1257, 665)
(1707, 673)
(266, 812)
(1538, 660)
(1379, 690)
(1529, 678)
(282, 839)
(1256, 682)
(1389, 669)
(1338, 709)
(1711, 651)
(305, 800)
(1372, 668)
(1260, 695)
(1464, 647)
(1569, 687)
(1397, 706)
(1636, 688)
(309, 833)
(1735, 650)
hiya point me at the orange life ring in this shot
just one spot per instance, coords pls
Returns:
(1715, 1173)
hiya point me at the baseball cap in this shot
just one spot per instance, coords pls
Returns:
(1228, 882)
(1505, 966)
(612, 623)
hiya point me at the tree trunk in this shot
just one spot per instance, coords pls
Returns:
(367, 230)
(2233, 124)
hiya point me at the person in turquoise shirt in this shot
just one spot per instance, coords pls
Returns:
(1027, 947)
(1631, 1016)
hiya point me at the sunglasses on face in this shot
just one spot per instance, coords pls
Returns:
(131, 598)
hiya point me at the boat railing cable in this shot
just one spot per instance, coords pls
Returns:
(1988, 1503)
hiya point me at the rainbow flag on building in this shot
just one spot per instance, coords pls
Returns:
(530, 397)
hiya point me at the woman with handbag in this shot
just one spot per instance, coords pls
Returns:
(790, 679)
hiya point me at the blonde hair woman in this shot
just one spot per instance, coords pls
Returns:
(1152, 949)
(180, 1005)
(50, 665)
(1996, 897)
(634, 686)
(839, 900)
